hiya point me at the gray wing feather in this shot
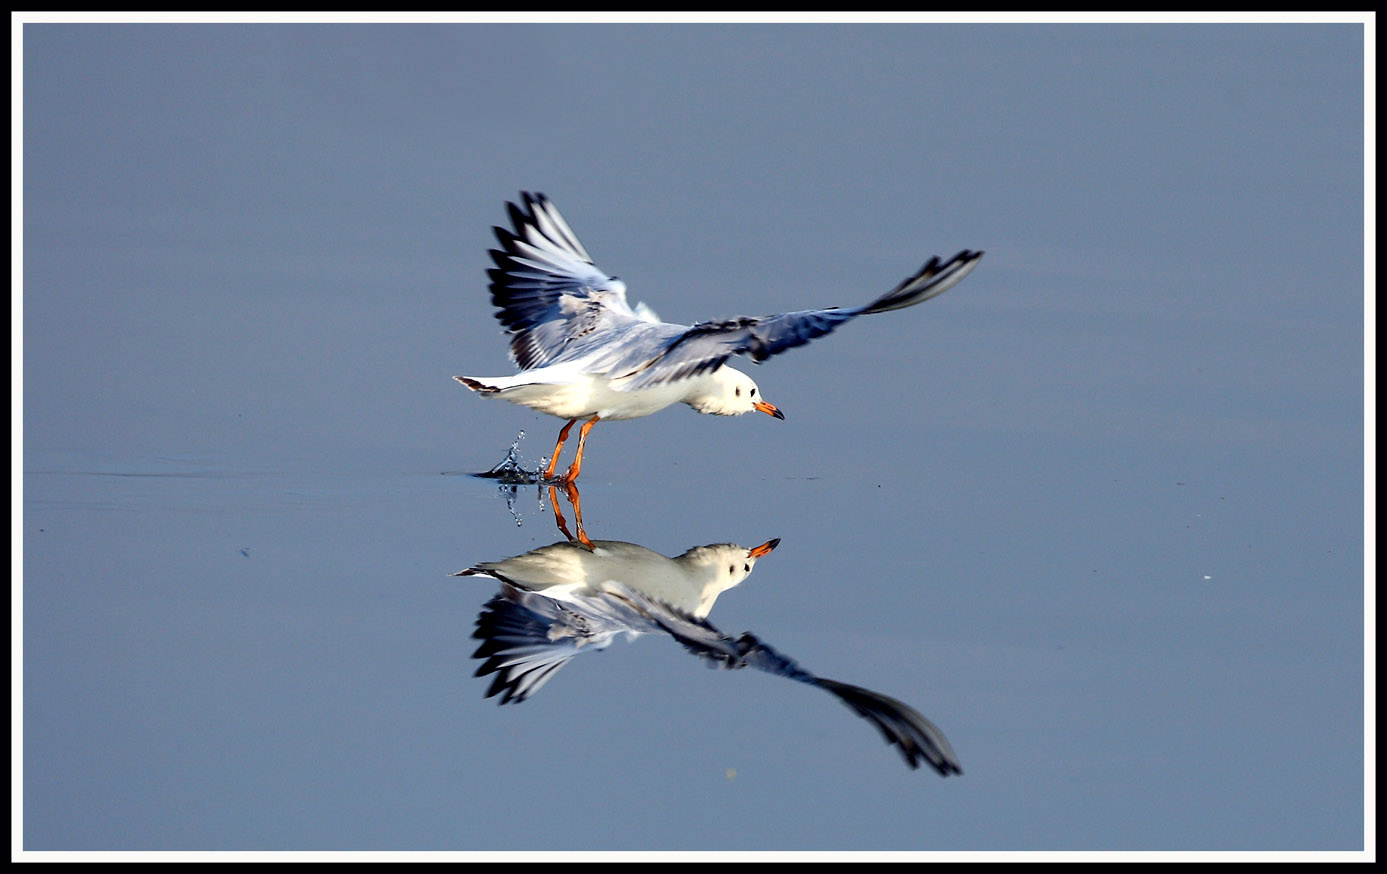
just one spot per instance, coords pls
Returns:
(707, 345)
(526, 637)
(917, 739)
(547, 292)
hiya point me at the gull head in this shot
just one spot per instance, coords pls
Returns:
(718, 567)
(728, 392)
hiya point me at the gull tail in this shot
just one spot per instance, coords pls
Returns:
(477, 385)
(931, 280)
(491, 385)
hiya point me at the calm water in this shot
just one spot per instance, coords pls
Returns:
(1097, 512)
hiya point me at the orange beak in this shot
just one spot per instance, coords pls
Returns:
(769, 410)
(765, 547)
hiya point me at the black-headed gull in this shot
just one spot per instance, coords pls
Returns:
(578, 596)
(584, 352)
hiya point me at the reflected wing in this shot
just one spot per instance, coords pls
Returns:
(527, 637)
(547, 291)
(707, 345)
(918, 739)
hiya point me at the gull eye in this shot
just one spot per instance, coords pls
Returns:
(753, 392)
(747, 568)
(738, 390)
(731, 568)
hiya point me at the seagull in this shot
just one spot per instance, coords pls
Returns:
(571, 597)
(584, 352)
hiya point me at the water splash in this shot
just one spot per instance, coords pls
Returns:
(510, 470)
(511, 474)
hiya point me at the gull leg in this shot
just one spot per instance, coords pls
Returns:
(577, 464)
(558, 513)
(571, 491)
(554, 459)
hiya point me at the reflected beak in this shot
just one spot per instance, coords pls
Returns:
(769, 410)
(765, 547)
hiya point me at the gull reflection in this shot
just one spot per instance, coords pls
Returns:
(580, 594)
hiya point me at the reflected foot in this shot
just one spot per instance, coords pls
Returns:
(571, 491)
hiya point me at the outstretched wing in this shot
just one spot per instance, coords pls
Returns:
(548, 293)
(526, 637)
(918, 739)
(707, 345)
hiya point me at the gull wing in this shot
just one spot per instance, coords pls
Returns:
(547, 292)
(917, 739)
(707, 345)
(526, 637)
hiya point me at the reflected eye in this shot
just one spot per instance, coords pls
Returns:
(738, 390)
(731, 568)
